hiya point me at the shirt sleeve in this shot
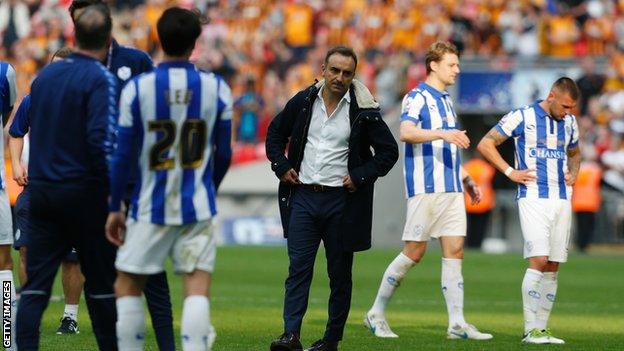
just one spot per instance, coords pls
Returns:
(101, 114)
(125, 151)
(511, 124)
(223, 132)
(21, 120)
(8, 89)
(411, 106)
(147, 65)
(224, 108)
(574, 134)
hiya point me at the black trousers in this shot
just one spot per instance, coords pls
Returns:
(477, 227)
(585, 224)
(315, 217)
(61, 217)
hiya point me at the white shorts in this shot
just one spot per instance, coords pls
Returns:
(147, 245)
(435, 215)
(6, 220)
(546, 227)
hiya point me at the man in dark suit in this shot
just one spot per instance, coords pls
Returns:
(326, 188)
(71, 102)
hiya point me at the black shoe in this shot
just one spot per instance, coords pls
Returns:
(68, 326)
(322, 345)
(287, 342)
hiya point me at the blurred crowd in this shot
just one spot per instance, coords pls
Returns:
(269, 49)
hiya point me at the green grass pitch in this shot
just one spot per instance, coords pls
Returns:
(248, 293)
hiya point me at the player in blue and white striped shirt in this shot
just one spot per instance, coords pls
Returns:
(434, 181)
(547, 161)
(175, 123)
(7, 100)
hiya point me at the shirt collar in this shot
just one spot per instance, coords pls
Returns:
(539, 110)
(435, 92)
(78, 55)
(176, 64)
(346, 97)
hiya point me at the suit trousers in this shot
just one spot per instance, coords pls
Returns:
(316, 217)
(61, 217)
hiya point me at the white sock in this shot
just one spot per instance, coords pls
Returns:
(391, 280)
(197, 332)
(130, 323)
(531, 297)
(453, 290)
(548, 293)
(7, 276)
(71, 311)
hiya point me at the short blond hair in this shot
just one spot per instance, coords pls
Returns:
(436, 51)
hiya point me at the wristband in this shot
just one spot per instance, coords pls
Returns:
(508, 171)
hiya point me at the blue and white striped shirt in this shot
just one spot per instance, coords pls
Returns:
(169, 122)
(7, 100)
(432, 166)
(541, 143)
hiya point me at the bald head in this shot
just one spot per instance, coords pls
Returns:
(77, 6)
(93, 27)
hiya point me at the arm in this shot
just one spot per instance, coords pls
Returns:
(223, 135)
(101, 121)
(574, 155)
(7, 94)
(413, 109)
(473, 190)
(18, 129)
(488, 148)
(386, 153)
(126, 148)
(125, 154)
(278, 135)
(410, 133)
(20, 173)
(574, 164)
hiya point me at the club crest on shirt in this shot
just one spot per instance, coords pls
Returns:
(124, 72)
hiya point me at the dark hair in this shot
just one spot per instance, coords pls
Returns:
(81, 4)
(567, 85)
(341, 50)
(63, 52)
(178, 29)
(436, 52)
(93, 27)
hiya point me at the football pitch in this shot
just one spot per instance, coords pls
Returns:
(247, 299)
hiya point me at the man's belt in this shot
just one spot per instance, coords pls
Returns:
(317, 188)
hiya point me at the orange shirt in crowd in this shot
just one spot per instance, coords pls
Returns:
(598, 32)
(374, 23)
(562, 33)
(586, 195)
(298, 24)
(482, 173)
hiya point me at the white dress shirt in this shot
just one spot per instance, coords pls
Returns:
(326, 152)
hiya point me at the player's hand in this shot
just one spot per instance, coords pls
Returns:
(457, 137)
(116, 227)
(523, 176)
(20, 174)
(290, 177)
(347, 183)
(473, 190)
(569, 179)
